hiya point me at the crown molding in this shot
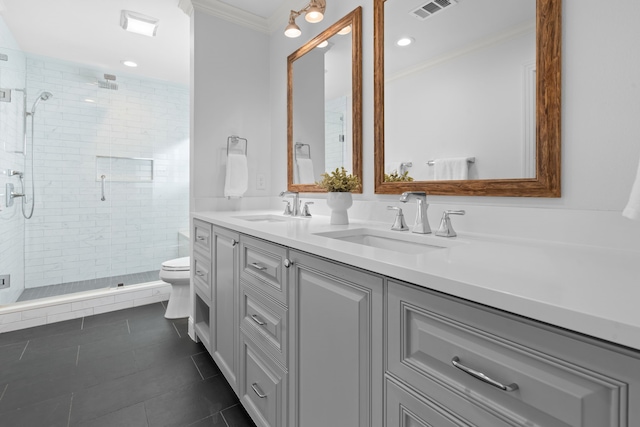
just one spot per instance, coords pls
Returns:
(231, 14)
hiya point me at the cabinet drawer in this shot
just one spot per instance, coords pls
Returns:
(405, 408)
(262, 264)
(202, 237)
(263, 387)
(201, 268)
(428, 332)
(265, 321)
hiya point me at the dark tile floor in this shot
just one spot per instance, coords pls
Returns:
(88, 285)
(125, 368)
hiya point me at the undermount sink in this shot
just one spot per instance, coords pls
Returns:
(396, 241)
(263, 218)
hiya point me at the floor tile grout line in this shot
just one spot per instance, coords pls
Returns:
(128, 327)
(24, 349)
(70, 407)
(82, 324)
(4, 391)
(224, 418)
(146, 415)
(78, 356)
(196, 365)
(176, 328)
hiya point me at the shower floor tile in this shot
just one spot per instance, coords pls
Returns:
(88, 285)
(70, 376)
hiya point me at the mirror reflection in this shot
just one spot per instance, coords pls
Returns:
(468, 97)
(324, 105)
(460, 91)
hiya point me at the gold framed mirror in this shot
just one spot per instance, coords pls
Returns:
(465, 145)
(324, 105)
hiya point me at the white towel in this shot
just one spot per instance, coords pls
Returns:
(305, 171)
(237, 177)
(632, 211)
(452, 168)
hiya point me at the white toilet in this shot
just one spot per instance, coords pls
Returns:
(176, 272)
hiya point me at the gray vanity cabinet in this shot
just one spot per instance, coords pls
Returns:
(225, 302)
(201, 267)
(335, 361)
(543, 376)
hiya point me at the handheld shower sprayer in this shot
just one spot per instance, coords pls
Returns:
(42, 96)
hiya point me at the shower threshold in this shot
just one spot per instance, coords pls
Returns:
(88, 285)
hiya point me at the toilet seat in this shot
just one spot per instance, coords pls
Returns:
(177, 264)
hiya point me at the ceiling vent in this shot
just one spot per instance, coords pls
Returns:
(434, 6)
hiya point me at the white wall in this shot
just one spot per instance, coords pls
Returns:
(230, 96)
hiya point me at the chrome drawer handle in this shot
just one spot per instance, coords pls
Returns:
(199, 273)
(257, 391)
(482, 377)
(201, 238)
(257, 320)
(258, 266)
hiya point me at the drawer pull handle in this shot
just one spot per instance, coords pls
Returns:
(199, 273)
(482, 377)
(257, 391)
(201, 238)
(258, 266)
(257, 320)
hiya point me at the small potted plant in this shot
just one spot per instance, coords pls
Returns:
(339, 184)
(396, 177)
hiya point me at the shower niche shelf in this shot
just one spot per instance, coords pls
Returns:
(124, 169)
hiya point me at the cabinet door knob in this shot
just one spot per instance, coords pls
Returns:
(257, 391)
(233, 242)
(482, 377)
(288, 263)
(257, 320)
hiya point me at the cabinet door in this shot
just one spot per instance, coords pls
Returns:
(336, 344)
(225, 299)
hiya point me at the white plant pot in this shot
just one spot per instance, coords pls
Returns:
(339, 203)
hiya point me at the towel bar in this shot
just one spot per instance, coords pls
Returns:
(469, 160)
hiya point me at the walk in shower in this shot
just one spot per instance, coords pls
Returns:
(105, 170)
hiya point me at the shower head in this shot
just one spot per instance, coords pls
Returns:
(42, 96)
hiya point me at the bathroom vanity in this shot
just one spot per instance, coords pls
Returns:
(318, 325)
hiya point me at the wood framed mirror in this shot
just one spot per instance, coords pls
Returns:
(324, 105)
(440, 127)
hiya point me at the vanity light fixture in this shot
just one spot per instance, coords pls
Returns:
(405, 41)
(138, 23)
(323, 44)
(346, 30)
(313, 13)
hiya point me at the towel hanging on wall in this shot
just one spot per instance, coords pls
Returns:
(632, 210)
(454, 168)
(305, 171)
(237, 176)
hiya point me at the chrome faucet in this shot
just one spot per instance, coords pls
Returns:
(422, 222)
(446, 229)
(295, 209)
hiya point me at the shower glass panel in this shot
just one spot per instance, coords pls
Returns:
(96, 224)
(12, 223)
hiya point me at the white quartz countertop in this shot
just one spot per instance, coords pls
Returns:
(585, 289)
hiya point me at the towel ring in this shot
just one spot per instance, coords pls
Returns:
(233, 139)
(300, 146)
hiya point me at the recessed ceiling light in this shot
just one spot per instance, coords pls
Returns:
(89, 100)
(129, 64)
(405, 41)
(139, 23)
